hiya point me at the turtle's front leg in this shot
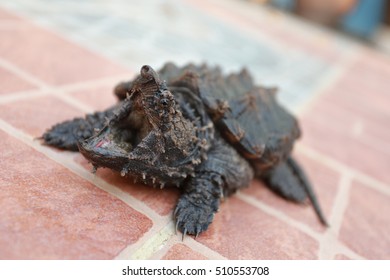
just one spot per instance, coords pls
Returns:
(198, 203)
(65, 135)
(222, 174)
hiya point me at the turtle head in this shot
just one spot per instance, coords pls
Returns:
(141, 138)
(152, 100)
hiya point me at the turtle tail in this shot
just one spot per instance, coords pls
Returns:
(304, 182)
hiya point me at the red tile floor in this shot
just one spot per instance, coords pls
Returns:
(54, 208)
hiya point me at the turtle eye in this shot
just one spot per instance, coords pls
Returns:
(164, 102)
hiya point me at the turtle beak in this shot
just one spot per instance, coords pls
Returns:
(103, 151)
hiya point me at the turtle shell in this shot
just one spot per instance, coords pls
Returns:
(247, 116)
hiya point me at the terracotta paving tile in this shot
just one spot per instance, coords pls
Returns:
(363, 92)
(338, 134)
(99, 98)
(358, 93)
(52, 59)
(325, 183)
(349, 122)
(34, 116)
(182, 252)
(240, 231)
(366, 224)
(11, 83)
(54, 214)
(357, 155)
(5, 15)
(362, 123)
(161, 201)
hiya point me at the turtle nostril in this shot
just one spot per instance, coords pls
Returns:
(148, 72)
(145, 71)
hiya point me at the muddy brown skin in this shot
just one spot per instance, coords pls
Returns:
(194, 128)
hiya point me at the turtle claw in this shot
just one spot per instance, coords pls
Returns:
(177, 226)
(184, 234)
(192, 219)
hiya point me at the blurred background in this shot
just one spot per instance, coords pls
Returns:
(364, 19)
(330, 60)
(255, 36)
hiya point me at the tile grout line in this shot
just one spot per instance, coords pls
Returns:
(279, 215)
(75, 103)
(339, 166)
(341, 202)
(24, 95)
(204, 250)
(63, 89)
(342, 249)
(22, 74)
(330, 236)
(145, 246)
(164, 248)
(63, 93)
(159, 254)
(150, 246)
(160, 242)
(96, 82)
(372, 183)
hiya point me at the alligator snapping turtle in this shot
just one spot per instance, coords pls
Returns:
(195, 128)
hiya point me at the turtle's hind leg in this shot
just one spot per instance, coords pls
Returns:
(289, 181)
